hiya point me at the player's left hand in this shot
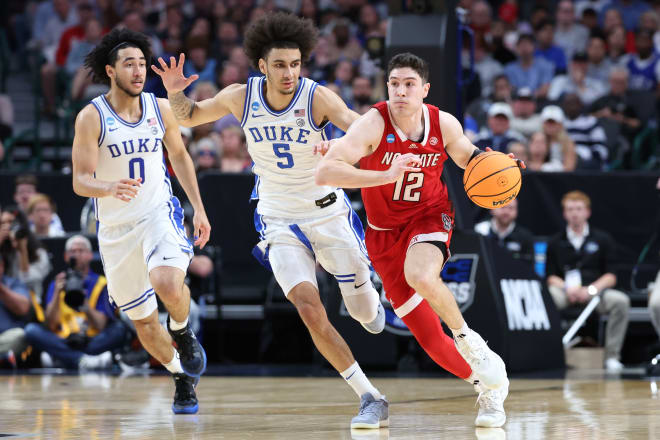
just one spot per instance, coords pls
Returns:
(322, 147)
(519, 162)
(202, 229)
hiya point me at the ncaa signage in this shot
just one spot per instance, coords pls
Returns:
(458, 274)
(524, 305)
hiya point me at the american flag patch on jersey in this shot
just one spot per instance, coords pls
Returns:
(151, 121)
(299, 113)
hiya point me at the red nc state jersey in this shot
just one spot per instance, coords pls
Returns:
(416, 194)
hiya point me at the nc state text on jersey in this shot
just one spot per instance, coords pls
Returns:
(427, 159)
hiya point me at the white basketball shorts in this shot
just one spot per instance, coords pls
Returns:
(130, 251)
(293, 246)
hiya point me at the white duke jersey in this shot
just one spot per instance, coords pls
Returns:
(132, 150)
(281, 144)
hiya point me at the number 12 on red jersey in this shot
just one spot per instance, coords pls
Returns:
(414, 181)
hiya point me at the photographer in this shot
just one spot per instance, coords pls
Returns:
(24, 256)
(14, 307)
(81, 326)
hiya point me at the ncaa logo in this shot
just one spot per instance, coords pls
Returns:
(390, 138)
(110, 120)
(255, 106)
(433, 141)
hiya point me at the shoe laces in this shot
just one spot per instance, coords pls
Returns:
(368, 407)
(489, 400)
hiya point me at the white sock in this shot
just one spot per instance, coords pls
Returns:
(174, 366)
(359, 382)
(175, 325)
(460, 331)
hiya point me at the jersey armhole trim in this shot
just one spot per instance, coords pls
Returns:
(102, 134)
(310, 116)
(246, 106)
(158, 115)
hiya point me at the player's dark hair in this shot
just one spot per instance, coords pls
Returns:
(408, 59)
(105, 53)
(279, 31)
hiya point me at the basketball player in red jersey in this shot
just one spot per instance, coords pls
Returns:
(401, 146)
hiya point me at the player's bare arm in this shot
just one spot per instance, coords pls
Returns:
(362, 138)
(185, 172)
(85, 155)
(328, 106)
(457, 145)
(188, 112)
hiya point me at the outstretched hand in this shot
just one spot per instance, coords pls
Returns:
(172, 75)
(519, 162)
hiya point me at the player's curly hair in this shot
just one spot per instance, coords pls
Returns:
(282, 31)
(105, 53)
(408, 59)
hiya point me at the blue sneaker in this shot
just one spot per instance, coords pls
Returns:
(193, 356)
(185, 399)
(373, 413)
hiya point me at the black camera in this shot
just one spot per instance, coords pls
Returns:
(20, 228)
(74, 287)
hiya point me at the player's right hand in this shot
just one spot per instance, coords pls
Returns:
(402, 165)
(322, 147)
(126, 189)
(172, 75)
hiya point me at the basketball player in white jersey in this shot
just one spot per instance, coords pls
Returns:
(300, 223)
(118, 161)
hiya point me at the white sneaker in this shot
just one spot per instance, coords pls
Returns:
(491, 406)
(95, 362)
(485, 363)
(612, 365)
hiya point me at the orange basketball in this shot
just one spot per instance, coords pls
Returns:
(492, 180)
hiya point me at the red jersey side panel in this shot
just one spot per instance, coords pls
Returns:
(416, 193)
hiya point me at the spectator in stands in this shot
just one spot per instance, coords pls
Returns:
(346, 45)
(644, 66)
(588, 136)
(615, 105)
(198, 62)
(538, 158)
(562, 148)
(40, 213)
(502, 92)
(25, 187)
(545, 32)
(487, 67)
(343, 77)
(525, 119)
(82, 79)
(589, 19)
(579, 266)
(569, 34)
(80, 329)
(133, 20)
(229, 74)
(577, 81)
(519, 150)
(630, 10)
(481, 18)
(616, 44)
(650, 21)
(503, 230)
(498, 135)
(235, 157)
(64, 17)
(14, 309)
(206, 155)
(205, 134)
(227, 37)
(529, 71)
(24, 256)
(361, 93)
(599, 65)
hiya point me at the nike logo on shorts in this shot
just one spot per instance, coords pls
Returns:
(168, 258)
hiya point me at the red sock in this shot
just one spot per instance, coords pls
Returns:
(425, 324)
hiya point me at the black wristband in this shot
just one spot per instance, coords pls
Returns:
(475, 153)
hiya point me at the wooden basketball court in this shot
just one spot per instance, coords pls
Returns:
(108, 407)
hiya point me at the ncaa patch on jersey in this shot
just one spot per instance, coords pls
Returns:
(255, 106)
(390, 138)
(110, 120)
